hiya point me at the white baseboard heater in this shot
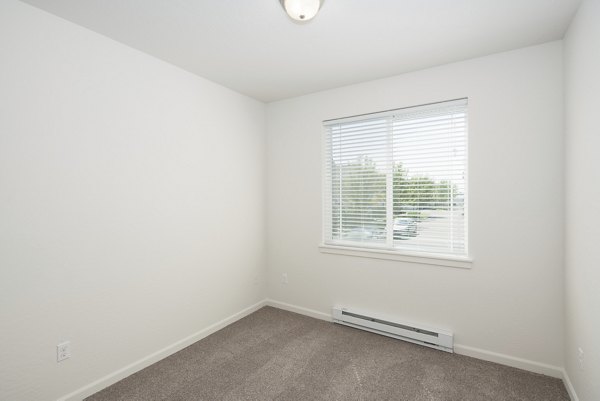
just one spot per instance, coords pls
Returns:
(429, 337)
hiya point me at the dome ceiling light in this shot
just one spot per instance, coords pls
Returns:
(301, 10)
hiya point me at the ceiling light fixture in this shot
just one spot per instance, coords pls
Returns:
(301, 10)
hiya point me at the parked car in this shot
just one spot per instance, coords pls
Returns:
(365, 233)
(404, 227)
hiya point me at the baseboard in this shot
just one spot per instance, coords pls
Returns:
(531, 366)
(140, 364)
(298, 309)
(508, 360)
(569, 386)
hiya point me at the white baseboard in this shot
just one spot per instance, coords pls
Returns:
(531, 366)
(569, 386)
(138, 365)
(300, 310)
(508, 360)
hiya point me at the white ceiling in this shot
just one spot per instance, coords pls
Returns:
(251, 46)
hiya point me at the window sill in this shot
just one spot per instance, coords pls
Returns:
(401, 256)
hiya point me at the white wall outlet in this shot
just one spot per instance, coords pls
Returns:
(63, 351)
(284, 278)
(580, 357)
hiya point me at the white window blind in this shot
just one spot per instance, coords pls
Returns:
(397, 180)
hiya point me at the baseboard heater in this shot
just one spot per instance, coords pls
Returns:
(429, 337)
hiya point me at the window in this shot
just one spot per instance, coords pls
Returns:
(396, 180)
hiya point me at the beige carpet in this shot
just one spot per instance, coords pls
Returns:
(278, 355)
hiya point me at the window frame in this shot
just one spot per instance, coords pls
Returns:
(372, 250)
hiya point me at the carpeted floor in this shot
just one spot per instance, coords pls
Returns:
(278, 355)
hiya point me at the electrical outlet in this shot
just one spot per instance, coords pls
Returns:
(284, 278)
(580, 357)
(63, 351)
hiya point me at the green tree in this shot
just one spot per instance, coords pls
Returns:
(359, 194)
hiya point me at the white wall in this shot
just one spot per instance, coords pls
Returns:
(511, 301)
(131, 204)
(582, 274)
(122, 179)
